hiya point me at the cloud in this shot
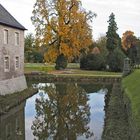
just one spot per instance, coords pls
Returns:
(21, 10)
(127, 13)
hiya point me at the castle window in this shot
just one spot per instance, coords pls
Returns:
(16, 62)
(6, 63)
(5, 36)
(16, 38)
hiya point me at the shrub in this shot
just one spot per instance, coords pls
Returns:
(115, 60)
(92, 62)
(83, 62)
(61, 62)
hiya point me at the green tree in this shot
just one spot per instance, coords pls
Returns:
(92, 62)
(116, 60)
(32, 52)
(101, 44)
(96, 57)
(113, 39)
(29, 46)
(115, 57)
(61, 62)
(138, 51)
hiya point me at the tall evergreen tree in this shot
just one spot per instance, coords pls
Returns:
(115, 56)
(113, 39)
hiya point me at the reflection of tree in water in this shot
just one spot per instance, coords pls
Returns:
(116, 120)
(65, 114)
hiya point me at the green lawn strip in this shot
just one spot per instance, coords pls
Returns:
(73, 65)
(29, 67)
(70, 65)
(131, 85)
(95, 72)
(86, 75)
(37, 67)
(78, 72)
(72, 70)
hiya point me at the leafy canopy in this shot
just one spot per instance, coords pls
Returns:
(62, 26)
(128, 40)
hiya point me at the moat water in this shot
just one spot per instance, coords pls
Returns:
(61, 111)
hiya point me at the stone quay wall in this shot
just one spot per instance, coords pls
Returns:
(12, 85)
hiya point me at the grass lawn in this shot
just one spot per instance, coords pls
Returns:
(72, 70)
(94, 73)
(37, 67)
(131, 85)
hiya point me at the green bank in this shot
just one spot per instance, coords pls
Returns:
(131, 86)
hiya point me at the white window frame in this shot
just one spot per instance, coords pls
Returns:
(5, 67)
(16, 68)
(6, 36)
(17, 38)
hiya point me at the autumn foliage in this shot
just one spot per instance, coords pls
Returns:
(128, 40)
(63, 26)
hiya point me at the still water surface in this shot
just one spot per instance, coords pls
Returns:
(59, 111)
(65, 111)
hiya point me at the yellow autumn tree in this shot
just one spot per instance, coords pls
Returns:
(63, 27)
(128, 39)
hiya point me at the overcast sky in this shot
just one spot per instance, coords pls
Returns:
(127, 14)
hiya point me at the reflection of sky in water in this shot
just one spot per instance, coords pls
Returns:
(29, 116)
(97, 114)
(30, 113)
(96, 102)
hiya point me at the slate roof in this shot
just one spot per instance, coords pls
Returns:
(7, 19)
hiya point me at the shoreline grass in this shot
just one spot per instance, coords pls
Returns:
(131, 85)
(72, 70)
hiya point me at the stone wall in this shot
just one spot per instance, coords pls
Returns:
(11, 50)
(12, 85)
(12, 80)
(68, 78)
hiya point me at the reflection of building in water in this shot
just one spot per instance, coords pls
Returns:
(12, 125)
